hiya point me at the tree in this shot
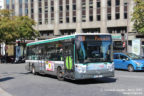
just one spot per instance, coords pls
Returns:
(16, 27)
(25, 29)
(7, 26)
(138, 16)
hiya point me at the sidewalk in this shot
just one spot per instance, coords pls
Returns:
(3, 93)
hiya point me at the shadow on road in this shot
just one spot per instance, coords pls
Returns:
(93, 81)
(86, 81)
(5, 79)
(128, 71)
(80, 82)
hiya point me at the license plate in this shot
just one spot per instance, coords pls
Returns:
(97, 76)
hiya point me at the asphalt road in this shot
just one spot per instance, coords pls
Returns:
(15, 80)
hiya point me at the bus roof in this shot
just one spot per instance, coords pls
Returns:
(63, 38)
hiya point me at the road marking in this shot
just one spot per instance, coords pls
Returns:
(4, 93)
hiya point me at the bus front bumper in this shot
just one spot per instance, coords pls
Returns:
(93, 75)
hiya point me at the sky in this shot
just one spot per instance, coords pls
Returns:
(1, 4)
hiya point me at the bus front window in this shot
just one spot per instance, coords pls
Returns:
(96, 51)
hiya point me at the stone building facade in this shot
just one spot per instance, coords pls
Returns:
(63, 17)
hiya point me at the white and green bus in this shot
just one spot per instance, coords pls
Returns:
(78, 56)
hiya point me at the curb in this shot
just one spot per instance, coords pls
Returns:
(4, 93)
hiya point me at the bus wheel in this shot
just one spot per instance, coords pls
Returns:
(33, 70)
(130, 68)
(60, 74)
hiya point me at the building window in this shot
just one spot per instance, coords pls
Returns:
(74, 4)
(98, 4)
(91, 18)
(46, 11)
(91, 4)
(13, 4)
(60, 2)
(52, 9)
(52, 17)
(125, 16)
(32, 9)
(98, 10)
(67, 19)
(40, 21)
(90, 10)
(117, 9)
(67, 7)
(60, 17)
(117, 2)
(74, 7)
(40, 12)
(74, 19)
(91, 15)
(60, 20)
(109, 3)
(83, 18)
(67, 1)
(98, 17)
(125, 10)
(13, 7)
(83, 10)
(108, 16)
(83, 4)
(46, 21)
(74, 1)
(98, 14)
(7, 4)
(60, 11)
(20, 8)
(117, 15)
(60, 8)
(74, 16)
(108, 9)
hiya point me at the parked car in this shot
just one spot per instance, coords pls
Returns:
(128, 61)
(7, 59)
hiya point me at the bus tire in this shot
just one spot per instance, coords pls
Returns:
(33, 70)
(130, 68)
(60, 74)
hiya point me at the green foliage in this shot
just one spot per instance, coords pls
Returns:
(25, 28)
(138, 16)
(7, 28)
(16, 27)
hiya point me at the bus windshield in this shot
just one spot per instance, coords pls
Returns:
(94, 51)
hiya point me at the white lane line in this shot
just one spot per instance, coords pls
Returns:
(4, 93)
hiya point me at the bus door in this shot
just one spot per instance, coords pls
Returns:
(41, 60)
(68, 58)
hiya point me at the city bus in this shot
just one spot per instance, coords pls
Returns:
(75, 57)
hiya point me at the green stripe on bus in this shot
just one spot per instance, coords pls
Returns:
(51, 40)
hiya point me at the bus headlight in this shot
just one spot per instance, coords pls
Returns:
(110, 67)
(81, 68)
